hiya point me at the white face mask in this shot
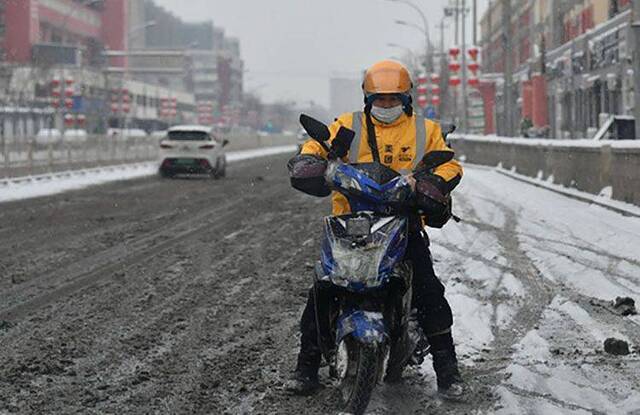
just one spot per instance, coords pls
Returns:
(387, 115)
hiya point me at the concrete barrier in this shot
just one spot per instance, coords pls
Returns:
(585, 165)
(25, 157)
(257, 141)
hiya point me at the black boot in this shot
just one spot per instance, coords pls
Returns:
(304, 380)
(445, 364)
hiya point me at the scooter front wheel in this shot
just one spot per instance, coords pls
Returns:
(359, 374)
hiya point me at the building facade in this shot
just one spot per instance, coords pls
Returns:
(571, 65)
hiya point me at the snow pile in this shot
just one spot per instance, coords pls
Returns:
(631, 144)
(532, 277)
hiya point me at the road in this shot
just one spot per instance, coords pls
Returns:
(183, 296)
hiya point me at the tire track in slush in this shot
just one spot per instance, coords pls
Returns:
(61, 283)
(26, 297)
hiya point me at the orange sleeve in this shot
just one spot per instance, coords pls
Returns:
(311, 146)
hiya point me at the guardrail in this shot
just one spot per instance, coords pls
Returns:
(27, 157)
(586, 165)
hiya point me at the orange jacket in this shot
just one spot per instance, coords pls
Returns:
(396, 146)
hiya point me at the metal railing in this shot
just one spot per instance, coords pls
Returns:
(26, 155)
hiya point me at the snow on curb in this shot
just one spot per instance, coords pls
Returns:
(18, 188)
(547, 142)
(602, 200)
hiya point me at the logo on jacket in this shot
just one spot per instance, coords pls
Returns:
(388, 148)
(388, 159)
(405, 149)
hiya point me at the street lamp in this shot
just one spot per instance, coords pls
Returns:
(130, 34)
(406, 49)
(424, 29)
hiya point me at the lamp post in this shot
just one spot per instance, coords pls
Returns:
(424, 29)
(131, 34)
(406, 49)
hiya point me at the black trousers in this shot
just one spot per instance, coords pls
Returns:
(433, 310)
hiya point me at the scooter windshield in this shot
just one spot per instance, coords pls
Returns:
(361, 256)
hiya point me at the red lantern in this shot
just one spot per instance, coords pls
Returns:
(68, 92)
(55, 103)
(69, 81)
(55, 93)
(126, 98)
(124, 91)
(68, 102)
(435, 78)
(473, 52)
(454, 51)
(80, 119)
(454, 81)
(435, 100)
(422, 89)
(422, 101)
(114, 107)
(422, 79)
(435, 90)
(473, 82)
(68, 120)
(55, 82)
(474, 66)
(126, 108)
(454, 66)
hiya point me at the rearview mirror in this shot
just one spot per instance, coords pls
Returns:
(434, 159)
(315, 128)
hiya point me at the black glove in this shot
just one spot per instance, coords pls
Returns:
(341, 144)
(306, 172)
(433, 200)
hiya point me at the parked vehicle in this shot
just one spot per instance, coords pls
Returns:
(192, 149)
(47, 136)
(129, 133)
(73, 136)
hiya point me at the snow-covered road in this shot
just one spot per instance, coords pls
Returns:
(531, 275)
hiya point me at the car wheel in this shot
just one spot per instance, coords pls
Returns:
(165, 174)
(220, 170)
(223, 171)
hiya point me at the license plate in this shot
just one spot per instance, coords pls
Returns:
(358, 227)
(184, 162)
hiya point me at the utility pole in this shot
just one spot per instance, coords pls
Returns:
(443, 65)
(465, 100)
(508, 66)
(457, 9)
(635, 27)
(573, 111)
(475, 22)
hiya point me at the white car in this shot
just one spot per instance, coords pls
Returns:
(47, 136)
(122, 134)
(74, 136)
(192, 149)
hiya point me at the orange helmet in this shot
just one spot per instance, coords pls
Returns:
(387, 77)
